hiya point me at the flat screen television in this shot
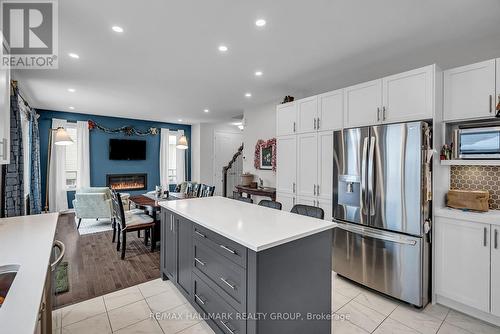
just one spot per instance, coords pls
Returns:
(126, 149)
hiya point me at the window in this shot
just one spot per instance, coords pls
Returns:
(71, 158)
(172, 164)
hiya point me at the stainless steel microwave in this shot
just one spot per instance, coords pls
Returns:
(478, 143)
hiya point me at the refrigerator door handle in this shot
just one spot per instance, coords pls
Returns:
(362, 193)
(377, 235)
(371, 175)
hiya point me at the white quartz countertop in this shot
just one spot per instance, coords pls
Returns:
(255, 227)
(490, 217)
(25, 241)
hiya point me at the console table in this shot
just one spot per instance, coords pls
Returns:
(265, 192)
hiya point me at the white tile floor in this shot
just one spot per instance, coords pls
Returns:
(357, 310)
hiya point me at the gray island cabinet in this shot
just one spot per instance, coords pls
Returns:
(249, 269)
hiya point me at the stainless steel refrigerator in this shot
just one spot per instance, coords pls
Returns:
(381, 199)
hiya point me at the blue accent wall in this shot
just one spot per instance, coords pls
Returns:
(100, 165)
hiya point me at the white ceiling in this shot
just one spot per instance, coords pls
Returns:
(166, 66)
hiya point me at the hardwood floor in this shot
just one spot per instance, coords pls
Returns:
(95, 267)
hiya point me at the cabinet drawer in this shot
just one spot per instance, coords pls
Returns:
(223, 315)
(228, 276)
(225, 247)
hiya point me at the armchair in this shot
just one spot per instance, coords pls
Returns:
(93, 203)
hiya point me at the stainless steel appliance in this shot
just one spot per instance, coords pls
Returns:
(478, 142)
(381, 201)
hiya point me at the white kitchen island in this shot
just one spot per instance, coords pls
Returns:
(247, 268)
(25, 242)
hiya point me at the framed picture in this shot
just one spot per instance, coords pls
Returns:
(265, 154)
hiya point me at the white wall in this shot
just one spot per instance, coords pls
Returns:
(260, 123)
(195, 152)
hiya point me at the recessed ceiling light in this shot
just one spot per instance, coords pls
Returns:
(71, 90)
(71, 108)
(73, 55)
(258, 73)
(206, 110)
(248, 94)
(179, 120)
(223, 48)
(260, 22)
(117, 29)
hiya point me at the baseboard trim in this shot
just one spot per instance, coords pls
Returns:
(488, 317)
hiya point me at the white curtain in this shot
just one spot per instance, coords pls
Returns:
(58, 200)
(83, 155)
(164, 157)
(180, 157)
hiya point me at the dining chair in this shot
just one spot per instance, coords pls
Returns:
(245, 199)
(207, 191)
(270, 204)
(126, 223)
(307, 210)
(196, 190)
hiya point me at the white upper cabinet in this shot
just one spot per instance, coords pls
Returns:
(286, 159)
(495, 270)
(408, 96)
(286, 119)
(362, 104)
(307, 159)
(325, 165)
(307, 112)
(463, 262)
(330, 110)
(4, 117)
(469, 91)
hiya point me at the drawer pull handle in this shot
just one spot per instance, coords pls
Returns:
(199, 299)
(200, 234)
(199, 261)
(224, 323)
(227, 283)
(227, 249)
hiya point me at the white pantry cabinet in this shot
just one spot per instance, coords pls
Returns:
(331, 110)
(408, 96)
(469, 91)
(325, 165)
(286, 119)
(497, 100)
(307, 113)
(362, 104)
(495, 270)
(325, 204)
(286, 160)
(287, 201)
(307, 164)
(4, 117)
(463, 262)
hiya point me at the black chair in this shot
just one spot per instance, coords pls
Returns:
(128, 223)
(307, 210)
(196, 190)
(270, 204)
(245, 199)
(206, 191)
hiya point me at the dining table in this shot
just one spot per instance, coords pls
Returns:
(150, 203)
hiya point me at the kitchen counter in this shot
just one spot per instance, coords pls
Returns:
(491, 217)
(255, 227)
(25, 241)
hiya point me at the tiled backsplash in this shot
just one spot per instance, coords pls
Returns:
(478, 178)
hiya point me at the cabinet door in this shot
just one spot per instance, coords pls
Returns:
(286, 160)
(495, 270)
(408, 96)
(286, 119)
(326, 205)
(185, 254)
(171, 248)
(287, 201)
(463, 262)
(497, 100)
(331, 110)
(325, 164)
(307, 161)
(311, 201)
(469, 91)
(307, 112)
(4, 117)
(362, 104)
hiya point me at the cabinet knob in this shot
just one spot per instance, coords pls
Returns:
(3, 151)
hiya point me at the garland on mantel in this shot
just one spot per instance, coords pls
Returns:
(128, 130)
(263, 144)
